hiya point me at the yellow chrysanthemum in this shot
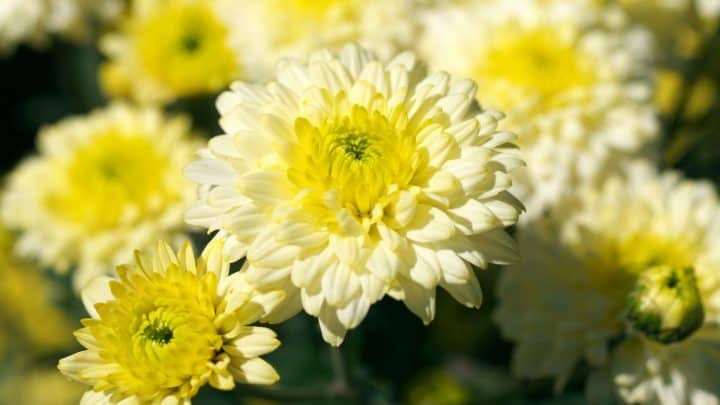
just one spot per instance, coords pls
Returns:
(170, 325)
(102, 186)
(296, 28)
(624, 276)
(166, 49)
(347, 179)
(25, 298)
(573, 81)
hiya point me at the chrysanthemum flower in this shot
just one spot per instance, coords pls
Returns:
(624, 277)
(569, 77)
(347, 179)
(296, 28)
(170, 325)
(102, 185)
(33, 21)
(166, 49)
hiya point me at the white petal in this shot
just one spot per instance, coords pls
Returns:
(474, 217)
(383, 262)
(430, 225)
(426, 270)
(252, 343)
(95, 292)
(354, 312)
(253, 371)
(340, 285)
(333, 332)
(469, 293)
(419, 300)
(211, 171)
(455, 269)
(402, 209)
(312, 299)
(307, 271)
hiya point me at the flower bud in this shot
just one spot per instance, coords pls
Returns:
(665, 304)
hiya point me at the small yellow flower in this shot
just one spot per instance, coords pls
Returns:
(169, 49)
(168, 326)
(348, 179)
(102, 186)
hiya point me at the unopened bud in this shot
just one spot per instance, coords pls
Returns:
(665, 304)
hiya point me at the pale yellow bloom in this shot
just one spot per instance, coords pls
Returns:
(166, 49)
(346, 179)
(168, 326)
(613, 277)
(102, 185)
(571, 77)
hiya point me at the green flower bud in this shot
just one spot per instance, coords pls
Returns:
(665, 304)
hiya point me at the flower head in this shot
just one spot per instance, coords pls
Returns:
(168, 326)
(169, 49)
(102, 185)
(635, 259)
(573, 81)
(347, 179)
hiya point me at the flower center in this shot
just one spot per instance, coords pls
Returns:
(355, 144)
(112, 178)
(352, 161)
(158, 333)
(543, 62)
(184, 47)
(190, 43)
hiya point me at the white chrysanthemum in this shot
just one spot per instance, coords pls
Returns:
(33, 21)
(169, 325)
(295, 28)
(569, 299)
(566, 74)
(347, 179)
(102, 185)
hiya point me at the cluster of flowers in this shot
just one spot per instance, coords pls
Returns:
(354, 172)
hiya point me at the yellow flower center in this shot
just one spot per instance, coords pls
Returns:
(184, 47)
(114, 178)
(354, 162)
(543, 62)
(159, 331)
